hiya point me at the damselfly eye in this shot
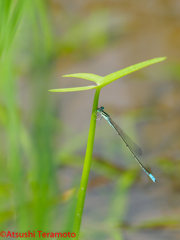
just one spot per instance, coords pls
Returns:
(100, 109)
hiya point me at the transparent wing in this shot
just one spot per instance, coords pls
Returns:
(135, 150)
(129, 143)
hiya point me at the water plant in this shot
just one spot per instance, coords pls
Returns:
(100, 82)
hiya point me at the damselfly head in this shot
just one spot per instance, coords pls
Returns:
(100, 109)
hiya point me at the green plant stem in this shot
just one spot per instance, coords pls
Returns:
(86, 169)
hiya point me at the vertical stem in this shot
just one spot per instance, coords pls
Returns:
(86, 169)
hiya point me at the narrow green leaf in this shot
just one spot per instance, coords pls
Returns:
(88, 76)
(73, 89)
(160, 223)
(8, 5)
(41, 6)
(13, 23)
(114, 76)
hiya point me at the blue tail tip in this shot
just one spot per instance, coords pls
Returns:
(152, 177)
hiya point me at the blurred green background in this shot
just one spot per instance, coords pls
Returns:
(43, 135)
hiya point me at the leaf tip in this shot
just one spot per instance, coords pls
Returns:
(163, 58)
(51, 90)
(65, 75)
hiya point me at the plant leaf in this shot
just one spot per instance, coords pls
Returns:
(103, 81)
(114, 76)
(88, 76)
(73, 89)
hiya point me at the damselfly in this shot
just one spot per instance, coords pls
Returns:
(134, 149)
